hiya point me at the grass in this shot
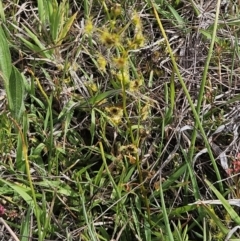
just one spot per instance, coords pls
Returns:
(119, 121)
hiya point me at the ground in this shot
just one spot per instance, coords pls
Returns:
(119, 120)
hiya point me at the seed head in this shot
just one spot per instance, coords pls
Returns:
(121, 62)
(135, 84)
(116, 114)
(123, 77)
(136, 20)
(139, 39)
(102, 63)
(109, 39)
(88, 26)
(116, 10)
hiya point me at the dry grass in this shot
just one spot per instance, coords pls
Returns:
(108, 128)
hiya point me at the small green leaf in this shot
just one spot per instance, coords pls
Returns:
(66, 28)
(16, 92)
(208, 35)
(100, 97)
(32, 46)
(179, 19)
(21, 190)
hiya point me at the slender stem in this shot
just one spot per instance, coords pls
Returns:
(124, 96)
(196, 116)
(50, 116)
(203, 83)
(25, 154)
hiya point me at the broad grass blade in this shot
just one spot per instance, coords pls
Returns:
(13, 80)
(16, 93)
(5, 59)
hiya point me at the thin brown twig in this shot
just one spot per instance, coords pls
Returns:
(9, 229)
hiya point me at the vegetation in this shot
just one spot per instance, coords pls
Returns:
(119, 120)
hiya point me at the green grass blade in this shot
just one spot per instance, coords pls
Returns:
(5, 59)
(2, 14)
(25, 230)
(20, 164)
(32, 46)
(225, 203)
(98, 98)
(66, 28)
(41, 11)
(54, 18)
(22, 191)
(37, 42)
(135, 218)
(165, 215)
(180, 21)
(93, 125)
(216, 219)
